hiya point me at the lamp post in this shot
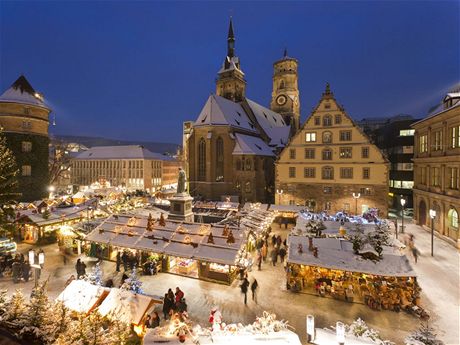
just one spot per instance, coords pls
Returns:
(279, 192)
(87, 214)
(310, 328)
(403, 202)
(340, 332)
(432, 216)
(51, 189)
(36, 265)
(356, 196)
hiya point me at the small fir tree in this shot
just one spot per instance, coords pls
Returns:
(119, 334)
(15, 310)
(211, 238)
(3, 301)
(95, 277)
(36, 315)
(423, 336)
(133, 283)
(59, 321)
(8, 173)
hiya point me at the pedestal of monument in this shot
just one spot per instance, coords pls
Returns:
(181, 208)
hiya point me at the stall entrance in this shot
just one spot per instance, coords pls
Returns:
(183, 266)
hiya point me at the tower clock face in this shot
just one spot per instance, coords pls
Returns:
(281, 100)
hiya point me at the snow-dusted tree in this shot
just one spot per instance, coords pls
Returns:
(119, 333)
(379, 237)
(359, 328)
(85, 330)
(133, 283)
(423, 336)
(59, 321)
(15, 310)
(3, 302)
(95, 277)
(8, 172)
(36, 315)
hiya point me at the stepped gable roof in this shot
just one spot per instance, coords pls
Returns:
(272, 123)
(221, 111)
(249, 145)
(121, 152)
(22, 92)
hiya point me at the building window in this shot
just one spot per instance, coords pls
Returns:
(404, 166)
(346, 207)
(292, 153)
(406, 132)
(365, 152)
(327, 137)
(423, 175)
(452, 216)
(238, 164)
(338, 119)
(26, 125)
(435, 182)
(327, 206)
(238, 185)
(309, 172)
(365, 191)
(345, 135)
(26, 170)
(454, 137)
(346, 172)
(219, 159)
(201, 160)
(453, 178)
(327, 106)
(247, 187)
(423, 143)
(309, 153)
(437, 138)
(328, 173)
(327, 120)
(292, 172)
(26, 146)
(327, 154)
(345, 152)
(327, 190)
(247, 164)
(366, 173)
(310, 137)
(317, 120)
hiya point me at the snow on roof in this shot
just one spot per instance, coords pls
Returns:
(272, 123)
(338, 254)
(175, 238)
(249, 145)
(221, 111)
(81, 296)
(121, 152)
(125, 306)
(22, 92)
(56, 215)
(233, 63)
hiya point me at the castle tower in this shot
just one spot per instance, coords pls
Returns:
(230, 81)
(285, 94)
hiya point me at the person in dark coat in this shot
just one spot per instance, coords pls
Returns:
(282, 253)
(124, 259)
(83, 268)
(244, 289)
(172, 299)
(26, 271)
(118, 261)
(167, 306)
(123, 278)
(279, 240)
(155, 320)
(273, 240)
(16, 271)
(274, 255)
(78, 268)
(254, 287)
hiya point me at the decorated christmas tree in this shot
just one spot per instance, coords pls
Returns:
(230, 237)
(150, 222)
(95, 277)
(211, 238)
(133, 283)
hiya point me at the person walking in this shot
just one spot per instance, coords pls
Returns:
(273, 240)
(83, 268)
(118, 261)
(178, 296)
(279, 241)
(124, 259)
(244, 289)
(412, 247)
(259, 261)
(167, 306)
(254, 287)
(282, 253)
(26, 271)
(274, 256)
(78, 268)
(264, 251)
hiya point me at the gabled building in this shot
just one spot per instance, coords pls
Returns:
(232, 145)
(328, 161)
(24, 118)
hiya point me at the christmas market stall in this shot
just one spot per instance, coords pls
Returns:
(380, 277)
(82, 297)
(197, 250)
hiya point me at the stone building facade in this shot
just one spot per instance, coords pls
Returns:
(437, 168)
(132, 166)
(24, 118)
(232, 145)
(328, 160)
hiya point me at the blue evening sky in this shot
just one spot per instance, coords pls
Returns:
(137, 70)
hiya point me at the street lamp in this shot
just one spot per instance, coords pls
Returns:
(51, 189)
(340, 332)
(403, 202)
(279, 192)
(432, 216)
(36, 265)
(356, 196)
(310, 328)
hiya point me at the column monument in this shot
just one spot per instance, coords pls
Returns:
(181, 202)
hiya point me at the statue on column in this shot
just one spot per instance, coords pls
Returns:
(181, 182)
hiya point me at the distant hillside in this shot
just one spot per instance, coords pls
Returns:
(96, 141)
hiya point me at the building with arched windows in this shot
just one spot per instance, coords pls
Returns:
(231, 147)
(437, 168)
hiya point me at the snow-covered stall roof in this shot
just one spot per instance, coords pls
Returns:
(249, 145)
(188, 240)
(125, 306)
(57, 215)
(82, 296)
(337, 254)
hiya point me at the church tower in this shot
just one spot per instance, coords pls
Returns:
(285, 94)
(230, 81)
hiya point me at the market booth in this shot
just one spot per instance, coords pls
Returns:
(82, 297)
(334, 270)
(197, 250)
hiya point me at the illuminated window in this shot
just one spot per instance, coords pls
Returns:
(437, 141)
(452, 216)
(435, 177)
(345, 152)
(26, 170)
(310, 137)
(454, 139)
(406, 132)
(26, 146)
(423, 143)
(453, 178)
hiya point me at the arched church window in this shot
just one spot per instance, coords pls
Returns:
(452, 216)
(202, 160)
(219, 159)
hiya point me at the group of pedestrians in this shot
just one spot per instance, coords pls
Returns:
(128, 259)
(17, 265)
(80, 267)
(174, 303)
(152, 320)
(245, 285)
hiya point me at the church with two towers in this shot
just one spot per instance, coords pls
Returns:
(232, 146)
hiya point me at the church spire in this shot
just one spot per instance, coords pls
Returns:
(230, 40)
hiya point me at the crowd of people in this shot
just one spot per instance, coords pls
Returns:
(16, 266)
(174, 302)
